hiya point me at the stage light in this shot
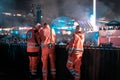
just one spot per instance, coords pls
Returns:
(16, 32)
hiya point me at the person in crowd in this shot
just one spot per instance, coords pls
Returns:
(33, 49)
(75, 51)
(47, 42)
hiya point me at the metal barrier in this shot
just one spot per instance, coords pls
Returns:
(98, 63)
(14, 62)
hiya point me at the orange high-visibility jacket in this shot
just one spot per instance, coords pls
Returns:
(47, 36)
(75, 44)
(32, 38)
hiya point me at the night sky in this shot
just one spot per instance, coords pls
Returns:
(14, 4)
(105, 8)
(24, 4)
(113, 4)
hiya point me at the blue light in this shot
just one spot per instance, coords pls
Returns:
(97, 35)
(16, 32)
(11, 32)
(23, 36)
(61, 23)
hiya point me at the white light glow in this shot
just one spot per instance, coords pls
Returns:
(92, 21)
(94, 11)
(19, 15)
(8, 14)
(93, 17)
(6, 29)
(0, 29)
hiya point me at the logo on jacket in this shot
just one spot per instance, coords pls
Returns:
(29, 35)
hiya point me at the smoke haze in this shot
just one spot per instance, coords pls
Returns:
(77, 9)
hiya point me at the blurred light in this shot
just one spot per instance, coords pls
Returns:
(93, 17)
(23, 36)
(69, 32)
(94, 12)
(96, 35)
(11, 32)
(58, 32)
(16, 31)
(41, 16)
(6, 29)
(92, 21)
(24, 15)
(8, 14)
(76, 23)
(0, 29)
(63, 23)
(64, 27)
(19, 15)
(14, 15)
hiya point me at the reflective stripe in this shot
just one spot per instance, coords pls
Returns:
(31, 43)
(44, 71)
(72, 71)
(53, 72)
(69, 61)
(77, 75)
(33, 73)
(75, 49)
(34, 70)
(44, 74)
(53, 69)
(47, 43)
(78, 49)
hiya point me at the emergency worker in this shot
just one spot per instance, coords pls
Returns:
(75, 51)
(48, 39)
(33, 49)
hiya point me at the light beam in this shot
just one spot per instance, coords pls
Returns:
(94, 16)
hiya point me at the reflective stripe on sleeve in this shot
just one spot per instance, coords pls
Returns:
(69, 61)
(72, 71)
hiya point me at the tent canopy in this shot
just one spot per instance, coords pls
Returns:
(113, 23)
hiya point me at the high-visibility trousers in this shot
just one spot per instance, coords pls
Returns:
(74, 64)
(48, 53)
(33, 62)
